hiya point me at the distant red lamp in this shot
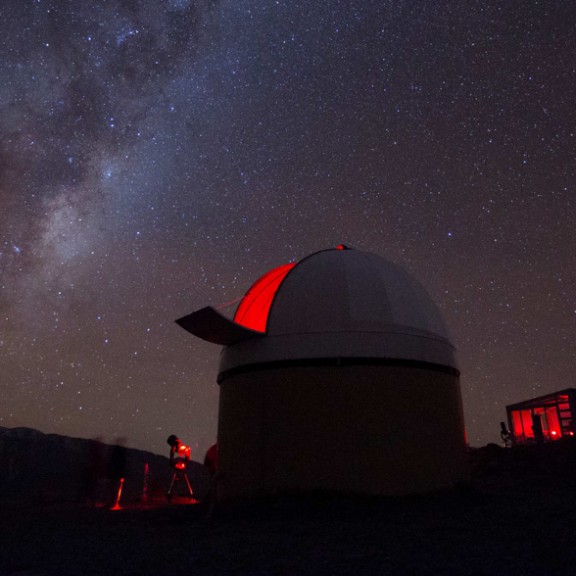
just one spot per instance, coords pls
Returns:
(118, 496)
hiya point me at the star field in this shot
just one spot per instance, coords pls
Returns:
(159, 156)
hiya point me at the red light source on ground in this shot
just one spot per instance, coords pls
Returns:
(118, 496)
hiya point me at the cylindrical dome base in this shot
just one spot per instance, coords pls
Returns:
(377, 429)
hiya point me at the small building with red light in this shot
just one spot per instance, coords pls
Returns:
(544, 418)
(336, 373)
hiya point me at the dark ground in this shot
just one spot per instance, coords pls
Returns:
(518, 517)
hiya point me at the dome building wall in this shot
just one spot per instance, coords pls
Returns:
(370, 429)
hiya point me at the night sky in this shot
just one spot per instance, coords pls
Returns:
(157, 156)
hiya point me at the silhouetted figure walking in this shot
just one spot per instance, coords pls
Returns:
(93, 474)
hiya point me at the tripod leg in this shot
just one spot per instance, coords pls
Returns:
(171, 486)
(189, 487)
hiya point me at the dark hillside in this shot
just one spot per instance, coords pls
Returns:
(37, 468)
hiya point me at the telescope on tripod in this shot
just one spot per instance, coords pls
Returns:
(179, 458)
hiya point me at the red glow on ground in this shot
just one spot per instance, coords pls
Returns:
(255, 306)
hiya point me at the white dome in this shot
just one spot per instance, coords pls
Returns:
(342, 304)
(352, 291)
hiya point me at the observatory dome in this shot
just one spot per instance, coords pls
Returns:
(345, 290)
(337, 373)
(339, 303)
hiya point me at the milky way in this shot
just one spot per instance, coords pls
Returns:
(158, 156)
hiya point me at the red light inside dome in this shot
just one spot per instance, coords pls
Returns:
(255, 306)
